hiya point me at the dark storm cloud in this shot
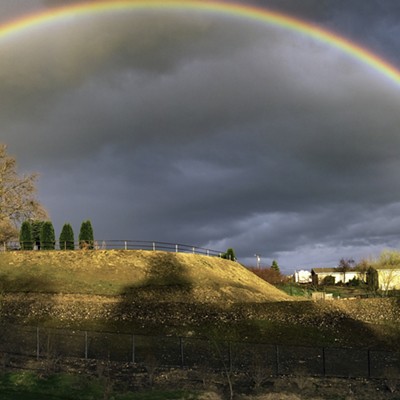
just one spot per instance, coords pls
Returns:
(12, 10)
(211, 131)
(372, 23)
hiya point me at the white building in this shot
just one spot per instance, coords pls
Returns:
(302, 276)
(319, 274)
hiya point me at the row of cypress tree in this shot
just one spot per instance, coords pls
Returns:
(41, 235)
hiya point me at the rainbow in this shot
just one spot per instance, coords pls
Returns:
(251, 13)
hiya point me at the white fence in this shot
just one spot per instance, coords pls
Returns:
(119, 245)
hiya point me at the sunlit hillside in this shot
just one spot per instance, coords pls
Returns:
(151, 276)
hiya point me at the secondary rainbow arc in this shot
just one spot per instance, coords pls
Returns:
(234, 9)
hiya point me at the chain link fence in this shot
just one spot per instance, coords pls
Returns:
(190, 352)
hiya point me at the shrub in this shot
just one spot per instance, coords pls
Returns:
(67, 238)
(25, 236)
(372, 280)
(47, 236)
(86, 237)
(229, 255)
(269, 275)
(354, 282)
(329, 280)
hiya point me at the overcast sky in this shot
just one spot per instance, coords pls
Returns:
(211, 130)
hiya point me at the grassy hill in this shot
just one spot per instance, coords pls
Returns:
(152, 276)
(119, 290)
(180, 294)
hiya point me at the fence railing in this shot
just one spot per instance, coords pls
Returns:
(191, 352)
(113, 245)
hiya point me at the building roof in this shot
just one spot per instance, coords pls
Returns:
(388, 267)
(324, 270)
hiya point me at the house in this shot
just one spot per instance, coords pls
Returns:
(318, 275)
(384, 277)
(302, 276)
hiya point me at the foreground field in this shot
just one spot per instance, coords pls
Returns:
(62, 386)
(33, 386)
(156, 293)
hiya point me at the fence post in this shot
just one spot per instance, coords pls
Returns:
(154, 246)
(133, 348)
(208, 252)
(277, 359)
(176, 248)
(193, 250)
(126, 245)
(369, 363)
(86, 345)
(230, 355)
(37, 344)
(182, 352)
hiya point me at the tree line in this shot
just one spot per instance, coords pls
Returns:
(40, 235)
(19, 207)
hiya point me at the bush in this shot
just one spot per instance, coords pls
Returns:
(354, 282)
(47, 236)
(329, 280)
(25, 236)
(229, 255)
(269, 275)
(372, 280)
(67, 238)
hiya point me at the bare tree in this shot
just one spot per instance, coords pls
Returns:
(17, 197)
(387, 279)
(344, 266)
(8, 231)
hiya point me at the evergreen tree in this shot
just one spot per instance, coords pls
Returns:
(67, 238)
(36, 227)
(275, 266)
(86, 237)
(47, 236)
(25, 236)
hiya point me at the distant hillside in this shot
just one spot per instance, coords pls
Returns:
(147, 275)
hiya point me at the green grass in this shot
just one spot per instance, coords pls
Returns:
(30, 386)
(296, 290)
(338, 291)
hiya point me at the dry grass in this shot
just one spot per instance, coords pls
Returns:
(117, 272)
(175, 293)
